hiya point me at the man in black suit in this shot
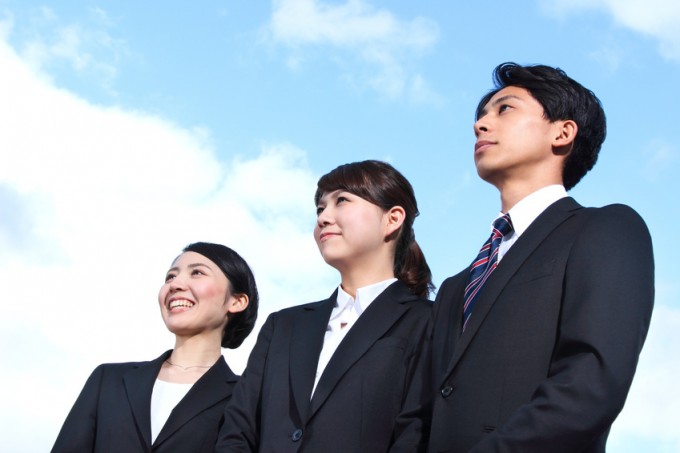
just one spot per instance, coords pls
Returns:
(536, 343)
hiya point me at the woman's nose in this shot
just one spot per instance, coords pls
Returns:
(324, 217)
(177, 284)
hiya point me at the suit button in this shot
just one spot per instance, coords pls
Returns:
(297, 435)
(446, 391)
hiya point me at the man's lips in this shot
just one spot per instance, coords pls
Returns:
(483, 144)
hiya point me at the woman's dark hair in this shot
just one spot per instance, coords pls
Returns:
(381, 184)
(241, 281)
(562, 98)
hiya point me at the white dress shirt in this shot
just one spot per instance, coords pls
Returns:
(526, 211)
(345, 313)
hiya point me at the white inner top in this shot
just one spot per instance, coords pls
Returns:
(164, 398)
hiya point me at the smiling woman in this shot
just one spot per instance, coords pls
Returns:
(174, 403)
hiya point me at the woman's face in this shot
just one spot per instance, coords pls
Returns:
(350, 230)
(196, 297)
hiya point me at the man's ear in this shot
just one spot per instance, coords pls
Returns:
(239, 303)
(395, 218)
(565, 134)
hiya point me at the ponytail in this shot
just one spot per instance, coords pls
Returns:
(410, 265)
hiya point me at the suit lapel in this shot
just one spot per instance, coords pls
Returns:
(539, 229)
(308, 333)
(211, 388)
(448, 319)
(383, 312)
(139, 386)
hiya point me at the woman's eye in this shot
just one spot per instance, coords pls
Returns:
(197, 272)
(340, 200)
(169, 277)
(319, 210)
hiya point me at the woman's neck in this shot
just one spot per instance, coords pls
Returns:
(196, 350)
(360, 276)
(190, 359)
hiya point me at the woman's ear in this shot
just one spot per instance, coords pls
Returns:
(239, 303)
(395, 217)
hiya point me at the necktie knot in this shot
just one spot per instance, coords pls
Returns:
(503, 225)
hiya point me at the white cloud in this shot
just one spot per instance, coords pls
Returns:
(650, 414)
(382, 42)
(421, 92)
(658, 19)
(90, 51)
(96, 202)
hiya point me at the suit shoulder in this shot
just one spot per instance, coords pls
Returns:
(451, 282)
(619, 217)
(454, 278)
(291, 311)
(119, 367)
(421, 305)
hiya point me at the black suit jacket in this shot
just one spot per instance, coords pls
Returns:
(112, 413)
(548, 356)
(370, 397)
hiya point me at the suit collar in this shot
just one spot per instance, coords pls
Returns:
(378, 318)
(139, 383)
(544, 224)
(309, 329)
(210, 389)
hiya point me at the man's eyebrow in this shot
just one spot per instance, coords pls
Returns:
(500, 100)
(505, 98)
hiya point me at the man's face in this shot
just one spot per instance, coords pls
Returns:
(514, 140)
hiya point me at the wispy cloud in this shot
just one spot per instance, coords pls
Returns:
(357, 31)
(660, 158)
(657, 19)
(102, 200)
(87, 49)
(610, 57)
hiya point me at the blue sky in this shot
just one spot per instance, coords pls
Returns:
(129, 129)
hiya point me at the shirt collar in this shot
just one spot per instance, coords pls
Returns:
(364, 297)
(531, 206)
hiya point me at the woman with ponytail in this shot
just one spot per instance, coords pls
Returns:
(349, 373)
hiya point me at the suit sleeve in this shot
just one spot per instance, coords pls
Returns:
(412, 425)
(77, 435)
(240, 431)
(606, 309)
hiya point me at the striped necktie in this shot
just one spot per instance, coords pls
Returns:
(484, 264)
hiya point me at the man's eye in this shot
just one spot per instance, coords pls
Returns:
(340, 200)
(503, 107)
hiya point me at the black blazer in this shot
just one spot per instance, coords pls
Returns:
(548, 356)
(369, 398)
(112, 413)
